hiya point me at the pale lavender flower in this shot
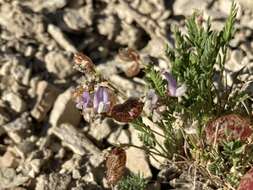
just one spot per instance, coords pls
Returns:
(172, 87)
(153, 98)
(84, 101)
(101, 101)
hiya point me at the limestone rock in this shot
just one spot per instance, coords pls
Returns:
(77, 20)
(59, 64)
(46, 95)
(49, 5)
(15, 101)
(64, 110)
(53, 181)
(19, 21)
(77, 142)
(247, 4)
(9, 178)
(60, 38)
(33, 163)
(18, 129)
(119, 136)
(137, 162)
(24, 148)
(100, 129)
(8, 160)
(182, 7)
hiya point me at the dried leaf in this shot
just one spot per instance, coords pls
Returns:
(129, 54)
(128, 111)
(115, 165)
(246, 182)
(228, 127)
(83, 63)
(133, 70)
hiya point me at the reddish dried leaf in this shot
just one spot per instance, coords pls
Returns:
(246, 182)
(228, 127)
(115, 165)
(128, 54)
(133, 70)
(83, 63)
(128, 111)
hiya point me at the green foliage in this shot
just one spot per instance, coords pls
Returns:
(197, 57)
(132, 182)
(193, 60)
(145, 135)
(229, 160)
(155, 81)
(228, 31)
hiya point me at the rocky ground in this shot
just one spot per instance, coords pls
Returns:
(44, 141)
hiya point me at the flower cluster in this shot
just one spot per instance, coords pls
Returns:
(183, 107)
(100, 100)
(99, 96)
(172, 86)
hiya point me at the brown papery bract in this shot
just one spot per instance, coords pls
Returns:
(228, 127)
(246, 182)
(115, 165)
(130, 55)
(128, 111)
(83, 63)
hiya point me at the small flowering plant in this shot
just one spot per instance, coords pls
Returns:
(183, 116)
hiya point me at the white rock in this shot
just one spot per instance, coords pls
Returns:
(10, 179)
(134, 136)
(137, 162)
(46, 95)
(237, 56)
(15, 101)
(53, 181)
(120, 136)
(8, 160)
(19, 128)
(50, 5)
(64, 110)
(100, 129)
(58, 64)
(78, 142)
(247, 4)
(182, 7)
(74, 20)
(60, 38)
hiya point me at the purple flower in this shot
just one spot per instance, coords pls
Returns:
(101, 101)
(84, 101)
(172, 88)
(153, 98)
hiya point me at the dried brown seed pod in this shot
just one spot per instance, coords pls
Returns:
(83, 63)
(128, 111)
(129, 54)
(115, 165)
(228, 127)
(133, 70)
(246, 182)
